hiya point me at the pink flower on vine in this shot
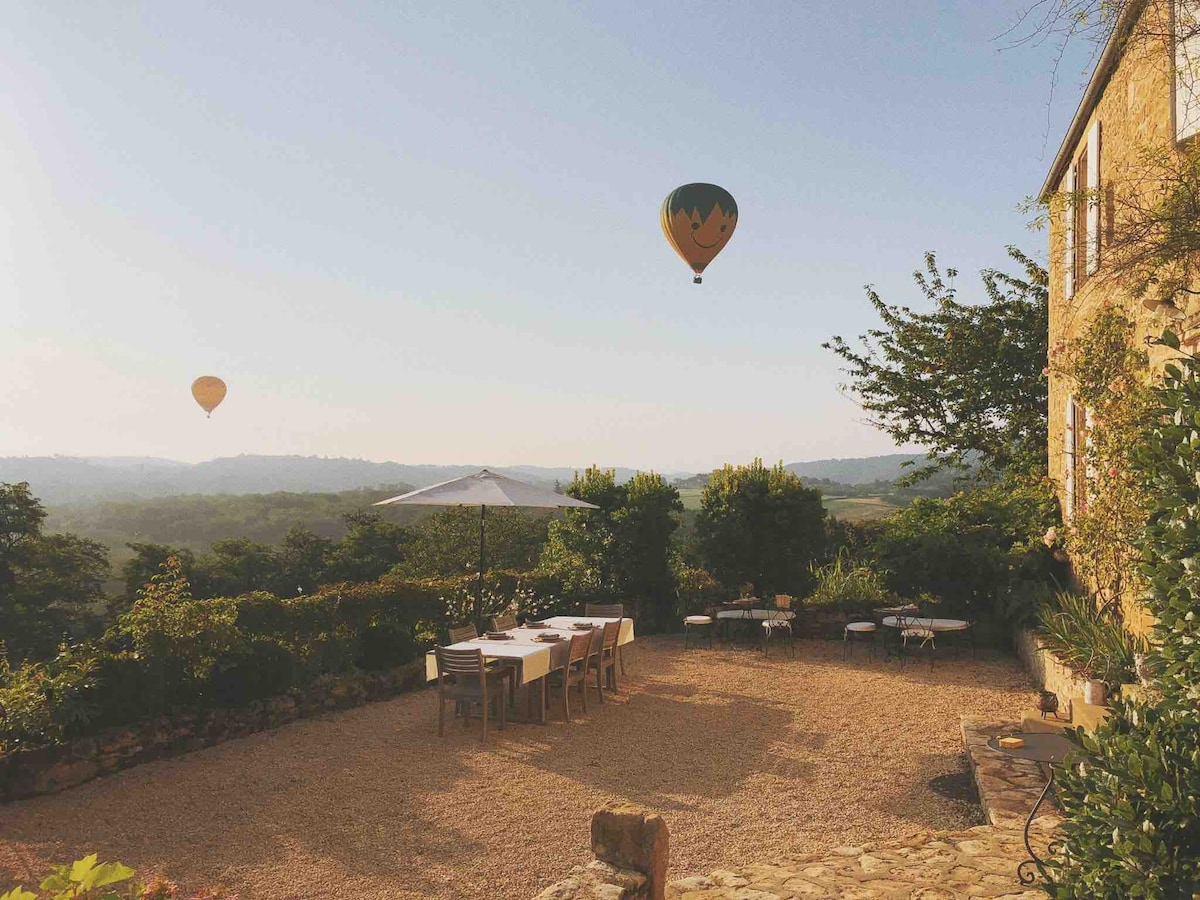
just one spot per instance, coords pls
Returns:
(1045, 371)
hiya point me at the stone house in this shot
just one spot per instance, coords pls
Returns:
(1143, 97)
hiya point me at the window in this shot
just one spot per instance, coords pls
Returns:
(1068, 220)
(1081, 221)
(1186, 25)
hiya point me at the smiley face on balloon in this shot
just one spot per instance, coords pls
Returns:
(698, 220)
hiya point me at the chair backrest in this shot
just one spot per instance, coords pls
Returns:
(458, 662)
(504, 623)
(612, 631)
(580, 647)
(596, 637)
(466, 633)
(783, 601)
(604, 610)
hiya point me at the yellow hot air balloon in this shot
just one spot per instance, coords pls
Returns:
(698, 220)
(209, 391)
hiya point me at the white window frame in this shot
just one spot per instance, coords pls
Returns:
(1069, 459)
(1093, 198)
(1185, 85)
(1069, 234)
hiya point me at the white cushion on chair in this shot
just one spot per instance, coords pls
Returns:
(861, 626)
(925, 634)
(698, 620)
(776, 623)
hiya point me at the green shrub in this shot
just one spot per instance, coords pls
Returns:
(90, 879)
(965, 550)
(1089, 640)
(1131, 794)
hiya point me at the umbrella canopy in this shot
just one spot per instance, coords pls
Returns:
(484, 489)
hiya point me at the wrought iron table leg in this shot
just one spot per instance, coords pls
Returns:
(1025, 869)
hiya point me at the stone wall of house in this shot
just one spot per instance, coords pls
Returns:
(1135, 116)
(26, 773)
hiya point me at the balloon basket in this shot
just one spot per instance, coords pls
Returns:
(696, 280)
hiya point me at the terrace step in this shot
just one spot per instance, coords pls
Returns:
(1008, 787)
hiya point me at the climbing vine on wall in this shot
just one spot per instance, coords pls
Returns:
(1107, 372)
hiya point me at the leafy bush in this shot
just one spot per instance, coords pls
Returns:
(170, 651)
(1131, 794)
(965, 550)
(1088, 639)
(90, 879)
(761, 525)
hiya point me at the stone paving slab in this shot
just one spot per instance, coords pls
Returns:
(1008, 787)
(978, 863)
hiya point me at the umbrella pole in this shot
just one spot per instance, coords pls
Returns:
(479, 593)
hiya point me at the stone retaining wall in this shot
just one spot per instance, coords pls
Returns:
(631, 849)
(1045, 668)
(45, 770)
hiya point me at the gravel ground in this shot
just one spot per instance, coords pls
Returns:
(743, 756)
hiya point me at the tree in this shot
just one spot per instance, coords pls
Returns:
(761, 526)
(49, 583)
(237, 566)
(620, 552)
(964, 380)
(371, 547)
(146, 562)
(448, 542)
(303, 558)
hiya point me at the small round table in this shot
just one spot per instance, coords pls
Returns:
(1039, 748)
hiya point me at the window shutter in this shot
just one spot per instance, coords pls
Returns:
(1082, 420)
(1093, 203)
(1068, 218)
(1081, 220)
(1069, 459)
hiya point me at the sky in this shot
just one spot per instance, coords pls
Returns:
(429, 232)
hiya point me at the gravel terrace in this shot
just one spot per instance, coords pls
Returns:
(745, 757)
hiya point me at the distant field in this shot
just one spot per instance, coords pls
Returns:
(859, 509)
(852, 509)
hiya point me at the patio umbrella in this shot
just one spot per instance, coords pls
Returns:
(484, 489)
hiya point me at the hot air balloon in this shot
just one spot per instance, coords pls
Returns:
(209, 391)
(698, 219)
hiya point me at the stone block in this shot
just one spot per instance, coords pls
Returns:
(630, 837)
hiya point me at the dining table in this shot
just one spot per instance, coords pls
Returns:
(531, 657)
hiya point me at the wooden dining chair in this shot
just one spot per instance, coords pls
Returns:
(463, 678)
(608, 611)
(504, 623)
(506, 670)
(574, 671)
(604, 663)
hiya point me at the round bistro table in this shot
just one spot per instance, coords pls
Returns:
(1039, 748)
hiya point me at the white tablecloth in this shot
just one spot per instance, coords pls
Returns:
(533, 656)
(931, 624)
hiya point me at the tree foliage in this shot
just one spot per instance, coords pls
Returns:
(761, 526)
(49, 583)
(620, 552)
(962, 380)
(966, 551)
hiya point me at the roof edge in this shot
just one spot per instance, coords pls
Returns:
(1106, 65)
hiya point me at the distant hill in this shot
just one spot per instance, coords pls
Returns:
(68, 479)
(860, 470)
(59, 480)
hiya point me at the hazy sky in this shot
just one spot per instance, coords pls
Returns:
(428, 232)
